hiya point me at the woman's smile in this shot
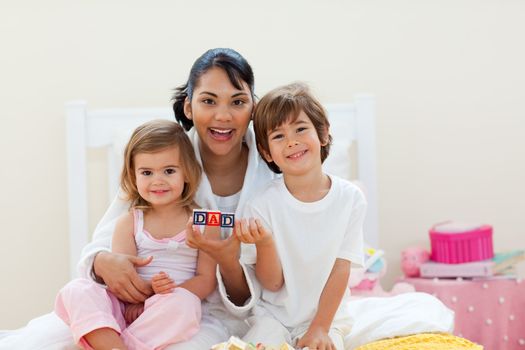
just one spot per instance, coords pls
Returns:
(221, 134)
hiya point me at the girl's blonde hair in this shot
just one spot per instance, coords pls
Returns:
(152, 137)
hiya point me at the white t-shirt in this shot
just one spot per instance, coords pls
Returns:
(309, 238)
(228, 204)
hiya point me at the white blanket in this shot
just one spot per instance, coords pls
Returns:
(375, 319)
(400, 315)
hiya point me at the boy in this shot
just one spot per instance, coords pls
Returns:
(315, 220)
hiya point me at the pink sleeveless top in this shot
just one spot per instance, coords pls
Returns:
(170, 255)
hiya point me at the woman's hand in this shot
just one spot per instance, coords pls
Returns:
(162, 283)
(316, 338)
(226, 254)
(119, 274)
(132, 312)
(224, 251)
(252, 231)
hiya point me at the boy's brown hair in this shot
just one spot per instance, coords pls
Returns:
(284, 104)
(155, 136)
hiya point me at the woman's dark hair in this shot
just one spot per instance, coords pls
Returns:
(236, 66)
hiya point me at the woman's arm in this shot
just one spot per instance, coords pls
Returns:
(224, 253)
(117, 271)
(118, 268)
(333, 291)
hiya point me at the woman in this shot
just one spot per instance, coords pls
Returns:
(215, 106)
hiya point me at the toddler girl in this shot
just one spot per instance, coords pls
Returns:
(159, 178)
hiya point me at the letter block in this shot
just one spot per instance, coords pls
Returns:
(227, 219)
(213, 218)
(199, 217)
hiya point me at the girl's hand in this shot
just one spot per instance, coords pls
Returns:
(119, 274)
(132, 312)
(162, 283)
(224, 252)
(252, 231)
(316, 338)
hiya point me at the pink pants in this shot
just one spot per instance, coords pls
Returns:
(167, 318)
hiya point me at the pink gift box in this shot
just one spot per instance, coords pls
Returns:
(454, 243)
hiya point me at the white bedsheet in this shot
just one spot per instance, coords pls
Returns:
(375, 318)
(47, 332)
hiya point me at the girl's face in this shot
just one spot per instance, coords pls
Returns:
(295, 146)
(160, 176)
(220, 112)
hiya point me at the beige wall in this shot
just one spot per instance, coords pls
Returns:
(448, 76)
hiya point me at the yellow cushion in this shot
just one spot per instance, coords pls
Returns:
(423, 341)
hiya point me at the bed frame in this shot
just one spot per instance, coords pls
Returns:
(352, 124)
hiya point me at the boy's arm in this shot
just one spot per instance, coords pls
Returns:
(333, 291)
(268, 268)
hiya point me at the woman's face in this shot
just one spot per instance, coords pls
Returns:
(220, 112)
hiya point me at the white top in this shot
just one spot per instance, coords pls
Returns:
(257, 175)
(309, 238)
(228, 204)
(170, 255)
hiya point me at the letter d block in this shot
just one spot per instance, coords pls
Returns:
(214, 218)
(199, 217)
(227, 219)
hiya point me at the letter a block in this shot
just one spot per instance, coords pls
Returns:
(214, 218)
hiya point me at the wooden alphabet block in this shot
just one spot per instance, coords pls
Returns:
(213, 218)
(199, 217)
(227, 219)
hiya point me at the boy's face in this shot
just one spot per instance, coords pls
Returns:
(295, 147)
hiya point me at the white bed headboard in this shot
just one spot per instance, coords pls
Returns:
(352, 125)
